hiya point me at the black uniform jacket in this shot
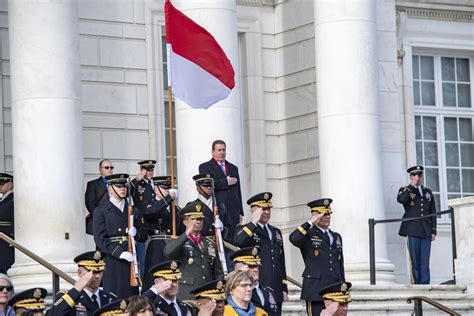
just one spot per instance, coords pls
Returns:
(231, 196)
(415, 205)
(96, 194)
(272, 255)
(142, 192)
(324, 262)
(269, 305)
(67, 307)
(163, 308)
(198, 266)
(7, 252)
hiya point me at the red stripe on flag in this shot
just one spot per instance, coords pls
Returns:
(191, 41)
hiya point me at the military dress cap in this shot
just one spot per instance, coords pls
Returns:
(118, 178)
(415, 170)
(338, 292)
(5, 177)
(212, 290)
(91, 261)
(204, 179)
(248, 256)
(322, 206)
(168, 270)
(193, 210)
(163, 181)
(147, 164)
(31, 299)
(261, 200)
(118, 307)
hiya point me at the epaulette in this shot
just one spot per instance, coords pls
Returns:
(190, 303)
(210, 239)
(113, 294)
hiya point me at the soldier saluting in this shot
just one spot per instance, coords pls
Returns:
(418, 201)
(321, 249)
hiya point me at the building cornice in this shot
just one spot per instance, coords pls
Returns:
(259, 3)
(437, 12)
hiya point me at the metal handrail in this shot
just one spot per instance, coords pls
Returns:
(56, 272)
(419, 310)
(373, 222)
(228, 245)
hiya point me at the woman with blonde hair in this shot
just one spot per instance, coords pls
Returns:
(239, 286)
(6, 292)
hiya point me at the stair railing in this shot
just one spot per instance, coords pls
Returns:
(418, 308)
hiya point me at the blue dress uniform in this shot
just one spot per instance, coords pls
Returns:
(200, 258)
(157, 223)
(7, 252)
(74, 302)
(168, 270)
(142, 190)
(418, 202)
(272, 254)
(110, 225)
(262, 297)
(324, 261)
(31, 300)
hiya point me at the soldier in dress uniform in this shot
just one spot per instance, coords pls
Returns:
(164, 292)
(210, 298)
(258, 232)
(418, 201)
(31, 300)
(157, 223)
(321, 249)
(199, 255)
(7, 252)
(118, 307)
(336, 297)
(85, 296)
(111, 237)
(247, 259)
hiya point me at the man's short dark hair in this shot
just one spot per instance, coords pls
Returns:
(217, 142)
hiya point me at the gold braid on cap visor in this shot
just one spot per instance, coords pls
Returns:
(218, 295)
(168, 274)
(322, 209)
(30, 304)
(92, 265)
(195, 215)
(114, 312)
(262, 204)
(338, 297)
(249, 260)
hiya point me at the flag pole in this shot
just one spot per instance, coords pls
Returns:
(170, 111)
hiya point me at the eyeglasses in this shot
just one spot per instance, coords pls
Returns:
(9, 288)
(246, 285)
(108, 167)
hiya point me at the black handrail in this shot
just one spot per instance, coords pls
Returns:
(418, 309)
(56, 272)
(373, 222)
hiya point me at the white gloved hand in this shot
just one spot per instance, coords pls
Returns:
(126, 256)
(132, 231)
(174, 193)
(218, 224)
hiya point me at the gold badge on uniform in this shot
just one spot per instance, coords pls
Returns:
(316, 252)
(123, 305)
(220, 285)
(97, 255)
(343, 287)
(174, 265)
(412, 203)
(198, 207)
(37, 293)
(254, 251)
(266, 196)
(326, 202)
(190, 261)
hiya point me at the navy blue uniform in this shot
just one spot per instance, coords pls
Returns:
(419, 232)
(272, 254)
(66, 306)
(163, 308)
(324, 262)
(7, 227)
(110, 236)
(269, 305)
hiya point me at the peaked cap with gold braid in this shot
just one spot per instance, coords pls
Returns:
(193, 210)
(212, 290)
(248, 256)
(338, 292)
(168, 270)
(31, 299)
(91, 261)
(115, 308)
(322, 206)
(261, 200)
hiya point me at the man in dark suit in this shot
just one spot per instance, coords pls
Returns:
(7, 257)
(96, 192)
(86, 294)
(418, 201)
(247, 259)
(321, 249)
(165, 290)
(111, 237)
(226, 183)
(258, 232)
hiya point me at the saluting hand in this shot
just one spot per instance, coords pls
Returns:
(141, 174)
(207, 308)
(316, 217)
(256, 214)
(330, 310)
(162, 286)
(190, 226)
(83, 280)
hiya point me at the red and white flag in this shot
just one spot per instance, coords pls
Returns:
(198, 69)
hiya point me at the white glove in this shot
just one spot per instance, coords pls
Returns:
(126, 256)
(174, 193)
(218, 224)
(132, 231)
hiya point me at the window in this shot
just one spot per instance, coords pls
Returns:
(169, 155)
(444, 131)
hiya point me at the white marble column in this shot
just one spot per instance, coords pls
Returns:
(197, 129)
(47, 136)
(349, 129)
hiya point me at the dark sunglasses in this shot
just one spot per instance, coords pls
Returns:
(9, 288)
(109, 167)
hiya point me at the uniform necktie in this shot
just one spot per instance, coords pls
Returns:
(269, 232)
(178, 312)
(95, 302)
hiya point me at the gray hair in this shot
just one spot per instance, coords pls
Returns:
(5, 277)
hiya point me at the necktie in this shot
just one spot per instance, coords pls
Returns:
(173, 305)
(95, 302)
(222, 164)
